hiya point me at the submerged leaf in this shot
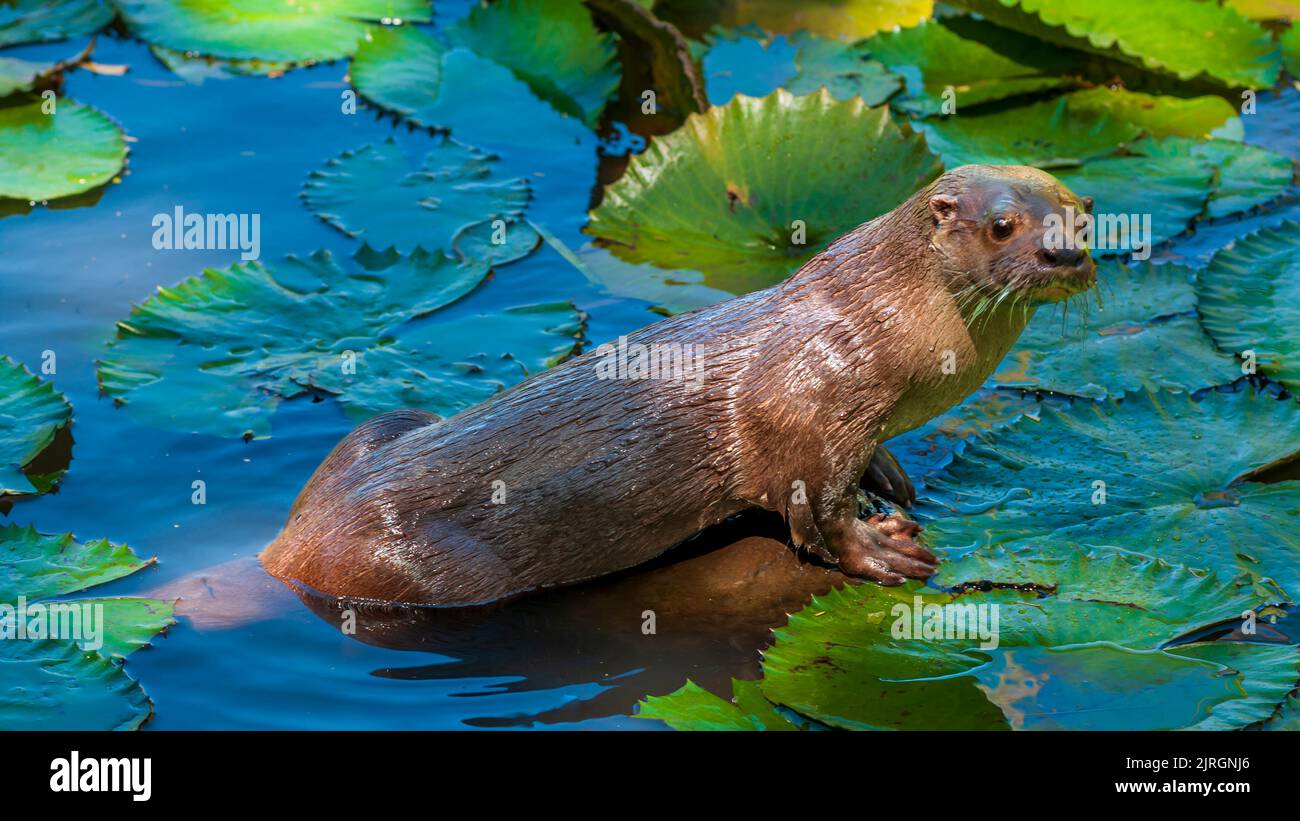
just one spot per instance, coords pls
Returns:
(716, 195)
(47, 156)
(41, 21)
(1249, 298)
(31, 413)
(1157, 474)
(1142, 334)
(270, 30)
(217, 353)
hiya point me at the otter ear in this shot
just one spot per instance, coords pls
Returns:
(1087, 204)
(943, 207)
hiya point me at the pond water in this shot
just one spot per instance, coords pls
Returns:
(246, 145)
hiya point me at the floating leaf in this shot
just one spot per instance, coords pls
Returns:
(1160, 115)
(1173, 193)
(1291, 50)
(1089, 654)
(72, 680)
(1157, 474)
(46, 156)
(694, 708)
(846, 19)
(552, 45)
(1185, 38)
(374, 193)
(196, 69)
(1143, 335)
(31, 413)
(843, 70)
(217, 353)
(1249, 299)
(980, 62)
(715, 195)
(41, 21)
(1246, 176)
(271, 30)
(22, 75)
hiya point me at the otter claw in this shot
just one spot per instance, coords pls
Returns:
(883, 551)
(887, 479)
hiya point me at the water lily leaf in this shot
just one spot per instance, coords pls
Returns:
(846, 19)
(196, 69)
(217, 353)
(1160, 115)
(552, 45)
(1245, 175)
(1291, 50)
(73, 679)
(715, 195)
(42, 21)
(1088, 654)
(376, 194)
(845, 70)
(1267, 9)
(1143, 335)
(46, 156)
(748, 61)
(32, 412)
(1249, 298)
(1158, 474)
(1185, 38)
(22, 75)
(271, 30)
(694, 708)
(1174, 192)
(980, 62)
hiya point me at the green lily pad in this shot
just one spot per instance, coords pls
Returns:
(197, 69)
(56, 155)
(553, 46)
(1291, 50)
(980, 62)
(715, 195)
(1160, 115)
(270, 30)
(217, 353)
(1143, 335)
(845, 19)
(1088, 654)
(694, 708)
(375, 194)
(31, 413)
(42, 21)
(1173, 193)
(1246, 176)
(845, 70)
(1157, 474)
(1183, 39)
(71, 677)
(22, 75)
(1249, 299)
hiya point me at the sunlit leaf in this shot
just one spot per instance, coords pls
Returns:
(73, 149)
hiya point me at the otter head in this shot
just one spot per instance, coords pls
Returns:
(997, 231)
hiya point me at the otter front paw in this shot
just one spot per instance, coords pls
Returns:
(882, 549)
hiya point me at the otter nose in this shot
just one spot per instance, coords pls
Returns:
(1064, 256)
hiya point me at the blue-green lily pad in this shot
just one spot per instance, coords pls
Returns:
(32, 412)
(41, 21)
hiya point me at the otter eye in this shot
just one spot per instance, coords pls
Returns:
(1002, 228)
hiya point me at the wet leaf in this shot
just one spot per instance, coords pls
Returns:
(1157, 474)
(552, 45)
(41, 21)
(1246, 176)
(843, 70)
(270, 30)
(694, 708)
(1183, 38)
(47, 156)
(31, 413)
(451, 200)
(715, 196)
(40, 567)
(217, 353)
(1141, 333)
(846, 19)
(1249, 298)
(22, 75)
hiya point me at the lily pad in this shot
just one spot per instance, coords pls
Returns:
(980, 62)
(715, 195)
(694, 708)
(1142, 335)
(553, 46)
(32, 412)
(1091, 653)
(1157, 474)
(72, 680)
(1246, 176)
(22, 75)
(1291, 50)
(1161, 115)
(47, 156)
(374, 193)
(1182, 39)
(846, 19)
(217, 353)
(1174, 192)
(1250, 300)
(270, 30)
(845, 70)
(42, 21)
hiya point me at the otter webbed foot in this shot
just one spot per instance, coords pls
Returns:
(887, 479)
(882, 549)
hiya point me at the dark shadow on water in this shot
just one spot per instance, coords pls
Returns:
(713, 602)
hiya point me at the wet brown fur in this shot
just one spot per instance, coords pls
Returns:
(801, 382)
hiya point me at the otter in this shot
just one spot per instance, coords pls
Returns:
(569, 476)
